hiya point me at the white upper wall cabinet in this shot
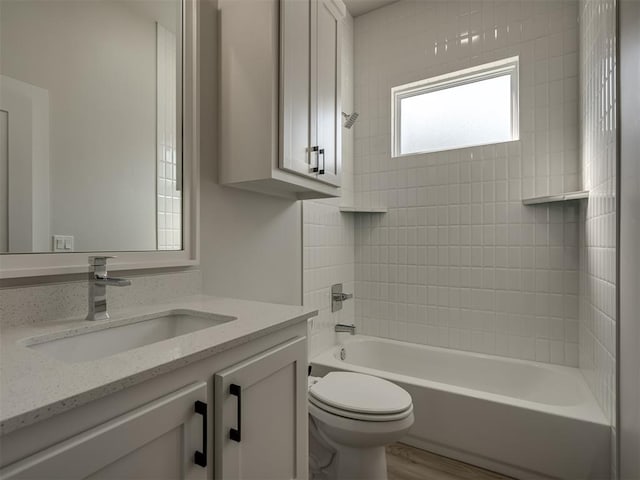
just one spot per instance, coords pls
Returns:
(280, 109)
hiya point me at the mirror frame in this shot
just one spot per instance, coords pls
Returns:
(45, 264)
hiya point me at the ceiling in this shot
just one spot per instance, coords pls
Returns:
(359, 7)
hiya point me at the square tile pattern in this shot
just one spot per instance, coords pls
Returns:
(458, 261)
(598, 216)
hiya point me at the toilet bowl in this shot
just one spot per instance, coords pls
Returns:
(352, 417)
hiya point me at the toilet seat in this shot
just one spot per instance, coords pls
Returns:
(358, 433)
(360, 397)
(366, 417)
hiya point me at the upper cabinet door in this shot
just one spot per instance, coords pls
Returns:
(328, 48)
(261, 416)
(310, 36)
(296, 136)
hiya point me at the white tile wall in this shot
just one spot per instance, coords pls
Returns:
(598, 219)
(415, 39)
(458, 261)
(328, 238)
(328, 235)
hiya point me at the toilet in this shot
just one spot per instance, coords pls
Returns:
(352, 417)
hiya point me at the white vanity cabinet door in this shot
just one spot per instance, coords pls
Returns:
(156, 441)
(269, 416)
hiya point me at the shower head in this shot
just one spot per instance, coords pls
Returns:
(349, 120)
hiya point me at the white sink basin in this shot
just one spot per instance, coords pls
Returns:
(105, 339)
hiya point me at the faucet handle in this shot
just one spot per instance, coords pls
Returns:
(99, 261)
(342, 296)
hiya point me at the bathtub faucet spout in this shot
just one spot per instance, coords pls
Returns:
(344, 328)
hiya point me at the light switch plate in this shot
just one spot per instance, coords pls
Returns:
(62, 243)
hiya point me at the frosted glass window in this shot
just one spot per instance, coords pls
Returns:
(472, 107)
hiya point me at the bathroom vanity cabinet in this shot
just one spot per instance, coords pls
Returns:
(156, 440)
(280, 107)
(181, 424)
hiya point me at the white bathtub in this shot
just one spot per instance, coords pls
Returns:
(525, 419)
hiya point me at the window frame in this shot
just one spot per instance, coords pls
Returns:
(508, 66)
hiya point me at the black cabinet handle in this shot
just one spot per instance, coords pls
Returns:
(200, 458)
(236, 434)
(321, 152)
(315, 149)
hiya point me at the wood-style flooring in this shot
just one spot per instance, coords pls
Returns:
(409, 463)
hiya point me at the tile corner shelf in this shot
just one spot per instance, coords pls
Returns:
(352, 209)
(561, 197)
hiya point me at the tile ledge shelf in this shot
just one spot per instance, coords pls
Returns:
(352, 209)
(561, 197)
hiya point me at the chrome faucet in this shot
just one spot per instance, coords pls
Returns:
(98, 282)
(344, 328)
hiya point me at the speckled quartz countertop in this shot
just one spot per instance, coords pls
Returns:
(35, 386)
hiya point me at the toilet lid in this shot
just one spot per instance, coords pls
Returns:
(357, 392)
(366, 417)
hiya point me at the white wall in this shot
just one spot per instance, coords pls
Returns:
(458, 261)
(97, 60)
(598, 215)
(629, 264)
(4, 181)
(28, 165)
(251, 244)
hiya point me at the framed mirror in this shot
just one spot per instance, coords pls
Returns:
(98, 134)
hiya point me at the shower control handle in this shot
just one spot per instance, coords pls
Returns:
(338, 296)
(342, 296)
